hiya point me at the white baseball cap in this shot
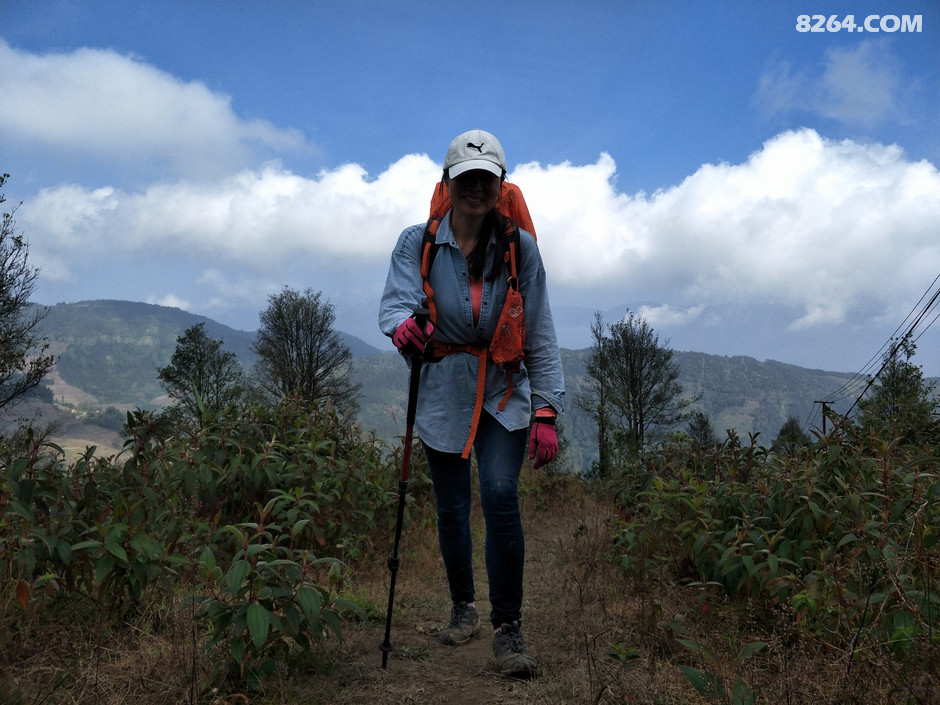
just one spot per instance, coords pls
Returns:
(475, 149)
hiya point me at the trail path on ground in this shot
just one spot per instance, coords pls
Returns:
(421, 671)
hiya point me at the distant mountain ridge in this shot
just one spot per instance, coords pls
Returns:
(112, 349)
(108, 353)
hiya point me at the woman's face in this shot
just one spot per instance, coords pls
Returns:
(474, 193)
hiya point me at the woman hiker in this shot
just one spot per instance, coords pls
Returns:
(495, 411)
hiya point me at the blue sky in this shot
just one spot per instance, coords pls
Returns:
(750, 189)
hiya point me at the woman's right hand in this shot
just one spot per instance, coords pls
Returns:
(410, 339)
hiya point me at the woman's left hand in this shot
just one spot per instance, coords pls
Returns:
(543, 441)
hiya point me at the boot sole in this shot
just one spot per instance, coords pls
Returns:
(448, 640)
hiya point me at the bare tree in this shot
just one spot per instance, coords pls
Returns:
(23, 359)
(299, 353)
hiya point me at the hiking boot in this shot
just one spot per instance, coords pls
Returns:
(512, 660)
(464, 625)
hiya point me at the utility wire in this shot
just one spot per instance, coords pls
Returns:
(908, 336)
(927, 328)
(850, 386)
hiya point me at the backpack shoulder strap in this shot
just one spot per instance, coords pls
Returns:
(511, 241)
(428, 253)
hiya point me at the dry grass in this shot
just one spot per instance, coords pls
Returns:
(600, 638)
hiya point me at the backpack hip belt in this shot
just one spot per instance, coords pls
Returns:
(436, 351)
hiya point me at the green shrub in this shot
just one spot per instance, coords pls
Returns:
(845, 532)
(252, 517)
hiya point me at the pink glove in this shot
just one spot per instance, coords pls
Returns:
(410, 339)
(543, 441)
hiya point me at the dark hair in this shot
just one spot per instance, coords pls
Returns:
(494, 222)
(494, 226)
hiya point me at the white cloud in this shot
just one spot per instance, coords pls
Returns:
(97, 102)
(255, 218)
(859, 86)
(823, 225)
(171, 301)
(668, 317)
(836, 231)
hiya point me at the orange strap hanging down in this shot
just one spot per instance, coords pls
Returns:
(440, 350)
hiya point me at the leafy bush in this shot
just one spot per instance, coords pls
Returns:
(253, 517)
(845, 532)
(269, 591)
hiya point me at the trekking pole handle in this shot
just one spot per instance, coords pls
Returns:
(421, 315)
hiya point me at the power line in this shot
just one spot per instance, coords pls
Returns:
(849, 387)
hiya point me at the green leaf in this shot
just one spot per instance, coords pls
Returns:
(142, 543)
(293, 619)
(82, 545)
(700, 649)
(708, 684)
(258, 624)
(207, 559)
(335, 573)
(104, 568)
(310, 602)
(351, 608)
(256, 548)
(817, 512)
(332, 620)
(236, 575)
(848, 538)
(237, 649)
(116, 550)
(751, 649)
(774, 563)
(743, 695)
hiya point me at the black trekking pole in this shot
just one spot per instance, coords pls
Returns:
(421, 317)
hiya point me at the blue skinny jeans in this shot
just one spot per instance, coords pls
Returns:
(499, 455)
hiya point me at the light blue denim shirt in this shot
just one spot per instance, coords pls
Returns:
(447, 393)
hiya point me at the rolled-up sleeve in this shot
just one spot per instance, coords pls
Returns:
(403, 291)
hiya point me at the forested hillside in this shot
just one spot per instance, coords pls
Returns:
(110, 351)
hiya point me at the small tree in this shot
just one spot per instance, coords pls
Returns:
(902, 405)
(791, 437)
(700, 430)
(594, 395)
(299, 353)
(202, 378)
(642, 380)
(23, 362)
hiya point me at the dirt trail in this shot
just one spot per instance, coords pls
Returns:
(420, 670)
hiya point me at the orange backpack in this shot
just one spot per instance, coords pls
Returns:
(507, 348)
(510, 203)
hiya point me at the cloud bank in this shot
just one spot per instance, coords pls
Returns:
(117, 108)
(831, 232)
(833, 228)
